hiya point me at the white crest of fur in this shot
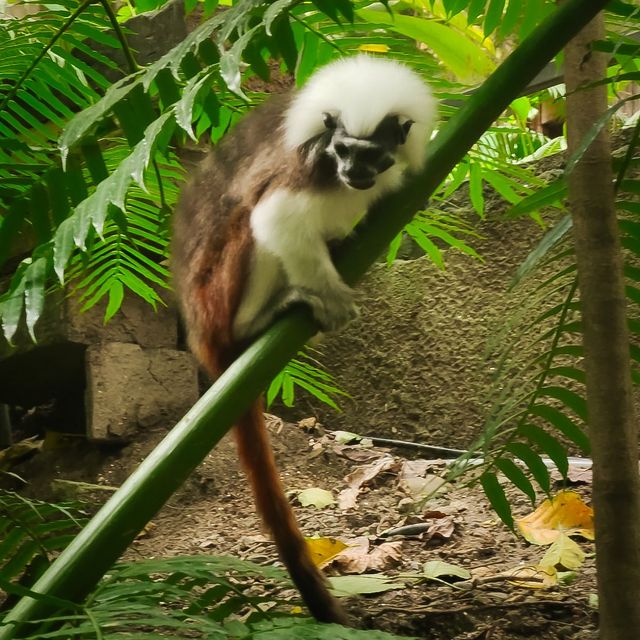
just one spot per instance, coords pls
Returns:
(362, 90)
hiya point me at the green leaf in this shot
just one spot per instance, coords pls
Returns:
(493, 16)
(549, 445)
(84, 121)
(475, 188)
(517, 477)
(458, 53)
(273, 11)
(496, 495)
(552, 194)
(564, 424)
(590, 136)
(112, 191)
(342, 586)
(534, 463)
(193, 91)
(416, 233)
(503, 186)
(542, 249)
(474, 9)
(394, 247)
(315, 497)
(63, 245)
(35, 277)
(230, 61)
(439, 569)
(13, 301)
(569, 398)
(284, 40)
(510, 19)
(116, 294)
(274, 388)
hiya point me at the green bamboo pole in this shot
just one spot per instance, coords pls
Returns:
(90, 555)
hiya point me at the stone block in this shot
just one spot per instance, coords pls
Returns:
(130, 388)
(32, 373)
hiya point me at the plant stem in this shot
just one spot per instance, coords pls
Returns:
(124, 44)
(612, 425)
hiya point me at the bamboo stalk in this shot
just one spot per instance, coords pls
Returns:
(78, 569)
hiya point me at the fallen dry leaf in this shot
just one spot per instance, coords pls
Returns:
(346, 437)
(359, 557)
(414, 480)
(442, 528)
(533, 577)
(348, 498)
(359, 476)
(564, 513)
(274, 423)
(580, 475)
(359, 455)
(308, 424)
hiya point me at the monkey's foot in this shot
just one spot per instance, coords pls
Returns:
(332, 309)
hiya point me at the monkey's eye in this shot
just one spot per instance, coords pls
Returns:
(371, 155)
(341, 149)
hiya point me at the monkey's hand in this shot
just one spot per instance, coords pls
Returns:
(332, 308)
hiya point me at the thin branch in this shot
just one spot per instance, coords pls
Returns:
(124, 44)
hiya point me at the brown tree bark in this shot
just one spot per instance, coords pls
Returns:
(612, 426)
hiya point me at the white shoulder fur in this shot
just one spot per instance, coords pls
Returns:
(362, 90)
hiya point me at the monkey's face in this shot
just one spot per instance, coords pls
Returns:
(359, 160)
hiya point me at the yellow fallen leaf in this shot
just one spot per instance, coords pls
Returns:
(323, 550)
(564, 553)
(565, 513)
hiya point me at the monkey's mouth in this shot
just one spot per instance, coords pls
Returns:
(362, 183)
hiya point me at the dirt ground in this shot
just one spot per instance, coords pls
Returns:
(214, 514)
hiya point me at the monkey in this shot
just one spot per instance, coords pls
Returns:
(251, 233)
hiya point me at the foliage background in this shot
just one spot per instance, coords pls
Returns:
(89, 172)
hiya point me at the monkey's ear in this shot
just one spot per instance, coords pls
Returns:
(330, 121)
(403, 131)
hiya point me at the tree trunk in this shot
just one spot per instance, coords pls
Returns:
(613, 431)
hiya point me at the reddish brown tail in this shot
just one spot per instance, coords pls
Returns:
(257, 456)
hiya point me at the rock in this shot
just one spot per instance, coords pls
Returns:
(129, 387)
(33, 373)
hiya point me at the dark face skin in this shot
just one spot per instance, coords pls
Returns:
(359, 160)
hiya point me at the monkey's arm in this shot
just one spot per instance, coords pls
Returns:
(291, 228)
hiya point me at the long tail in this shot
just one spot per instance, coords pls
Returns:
(256, 454)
